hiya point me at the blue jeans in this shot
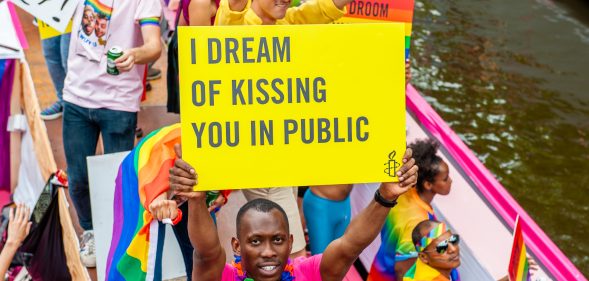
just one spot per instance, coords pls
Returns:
(81, 127)
(55, 50)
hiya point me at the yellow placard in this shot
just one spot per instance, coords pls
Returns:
(270, 106)
(46, 31)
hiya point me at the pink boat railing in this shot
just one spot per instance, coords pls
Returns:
(538, 243)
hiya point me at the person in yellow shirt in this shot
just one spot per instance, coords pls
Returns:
(248, 12)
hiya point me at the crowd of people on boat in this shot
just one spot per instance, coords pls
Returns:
(271, 228)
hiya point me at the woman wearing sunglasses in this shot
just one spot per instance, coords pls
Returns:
(397, 251)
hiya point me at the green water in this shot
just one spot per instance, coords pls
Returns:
(512, 79)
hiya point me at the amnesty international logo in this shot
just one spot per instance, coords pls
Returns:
(392, 165)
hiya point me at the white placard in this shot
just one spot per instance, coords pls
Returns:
(56, 13)
(9, 44)
(102, 172)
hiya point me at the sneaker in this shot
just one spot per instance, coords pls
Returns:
(153, 74)
(87, 252)
(52, 112)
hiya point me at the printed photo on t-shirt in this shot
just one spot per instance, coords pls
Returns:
(93, 32)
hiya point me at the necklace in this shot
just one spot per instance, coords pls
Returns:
(287, 274)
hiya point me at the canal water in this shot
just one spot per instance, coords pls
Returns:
(512, 79)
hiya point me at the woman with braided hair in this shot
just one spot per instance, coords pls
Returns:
(397, 252)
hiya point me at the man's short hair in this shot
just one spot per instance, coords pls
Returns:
(416, 234)
(101, 15)
(260, 205)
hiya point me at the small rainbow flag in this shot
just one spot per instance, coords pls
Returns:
(519, 267)
(100, 8)
(136, 245)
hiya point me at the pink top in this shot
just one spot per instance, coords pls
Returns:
(305, 269)
(99, 25)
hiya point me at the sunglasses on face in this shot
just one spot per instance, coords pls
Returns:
(442, 247)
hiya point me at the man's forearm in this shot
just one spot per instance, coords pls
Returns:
(209, 257)
(364, 228)
(201, 230)
(147, 53)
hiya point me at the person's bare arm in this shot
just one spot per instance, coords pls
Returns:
(199, 12)
(341, 253)
(18, 229)
(209, 256)
(150, 50)
(401, 267)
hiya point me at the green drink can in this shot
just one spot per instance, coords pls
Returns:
(113, 54)
(211, 197)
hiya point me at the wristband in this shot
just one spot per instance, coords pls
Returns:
(384, 202)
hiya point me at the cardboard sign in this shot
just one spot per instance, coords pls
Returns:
(56, 13)
(46, 31)
(370, 11)
(270, 106)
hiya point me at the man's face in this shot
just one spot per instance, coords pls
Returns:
(275, 9)
(100, 27)
(264, 244)
(449, 259)
(88, 21)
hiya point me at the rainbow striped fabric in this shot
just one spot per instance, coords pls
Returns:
(397, 244)
(363, 11)
(519, 267)
(100, 8)
(148, 21)
(136, 246)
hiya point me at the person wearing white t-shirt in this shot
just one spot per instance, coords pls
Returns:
(97, 103)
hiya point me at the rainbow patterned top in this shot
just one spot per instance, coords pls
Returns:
(136, 246)
(100, 8)
(423, 272)
(397, 244)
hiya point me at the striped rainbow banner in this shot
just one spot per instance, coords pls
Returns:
(366, 11)
(136, 246)
(519, 267)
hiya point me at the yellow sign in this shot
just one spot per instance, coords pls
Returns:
(270, 106)
(47, 31)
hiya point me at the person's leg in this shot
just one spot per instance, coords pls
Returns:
(118, 129)
(344, 211)
(52, 54)
(65, 48)
(318, 218)
(80, 135)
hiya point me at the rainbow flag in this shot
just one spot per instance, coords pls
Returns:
(100, 8)
(366, 11)
(136, 245)
(519, 267)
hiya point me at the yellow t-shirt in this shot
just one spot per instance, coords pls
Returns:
(311, 12)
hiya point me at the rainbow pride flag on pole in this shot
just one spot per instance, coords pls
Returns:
(137, 240)
(519, 267)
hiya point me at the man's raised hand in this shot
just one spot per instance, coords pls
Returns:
(407, 178)
(183, 178)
